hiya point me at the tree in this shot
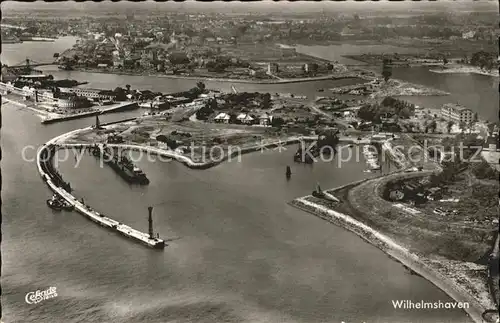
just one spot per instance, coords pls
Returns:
(449, 125)
(266, 101)
(128, 88)
(178, 58)
(172, 144)
(433, 126)
(200, 85)
(445, 61)
(120, 94)
(313, 68)
(462, 125)
(277, 122)
(386, 69)
(206, 110)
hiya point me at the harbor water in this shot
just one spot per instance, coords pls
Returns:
(237, 252)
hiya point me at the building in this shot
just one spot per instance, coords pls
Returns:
(457, 113)
(491, 143)
(469, 35)
(222, 118)
(245, 118)
(272, 68)
(265, 119)
(73, 102)
(89, 93)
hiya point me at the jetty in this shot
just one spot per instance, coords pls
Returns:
(45, 168)
(123, 106)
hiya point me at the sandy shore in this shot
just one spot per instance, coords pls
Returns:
(397, 252)
(466, 70)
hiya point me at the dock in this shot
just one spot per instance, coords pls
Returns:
(113, 108)
(44, 157)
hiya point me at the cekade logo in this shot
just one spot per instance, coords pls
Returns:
(40, 295)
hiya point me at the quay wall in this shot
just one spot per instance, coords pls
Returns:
(241, 81)
(114, 108)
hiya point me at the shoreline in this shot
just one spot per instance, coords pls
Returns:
(465, 70)
(229, 80)
(50, 117)
(394, 251)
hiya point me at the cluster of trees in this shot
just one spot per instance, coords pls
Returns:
(171, 143)
(222, 62)
(484, 60)
(328, 139)
(207, 110)
(194, 92)
(243, 99)
(483, 170)
(388, 107)
(430, 126)
(386, 69)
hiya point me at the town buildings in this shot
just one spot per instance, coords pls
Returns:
(457, 113)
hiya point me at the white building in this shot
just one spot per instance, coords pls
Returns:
(469, 35)
(222, 118)
(457, 113)
(245, 118)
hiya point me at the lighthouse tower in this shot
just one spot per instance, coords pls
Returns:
(150, 220)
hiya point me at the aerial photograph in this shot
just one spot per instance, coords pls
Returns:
(250, 162)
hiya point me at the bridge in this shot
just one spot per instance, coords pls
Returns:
(29, 63)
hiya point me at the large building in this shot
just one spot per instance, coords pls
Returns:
(72, 102)
(457, 113)
(89, 93)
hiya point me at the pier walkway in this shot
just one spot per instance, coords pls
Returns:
(85, 209)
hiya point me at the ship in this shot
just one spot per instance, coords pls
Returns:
(306, 157)
(318, 192)
(123, 166)
(65, 67)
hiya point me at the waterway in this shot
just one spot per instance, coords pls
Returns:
(238, 252)
(477, 92)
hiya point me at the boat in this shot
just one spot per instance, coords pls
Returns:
(54, 203)
(318, 192)
(140, 176)
(122, 165)
(65, 67)
(66, 205)
(58, 204)
(288, 172)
